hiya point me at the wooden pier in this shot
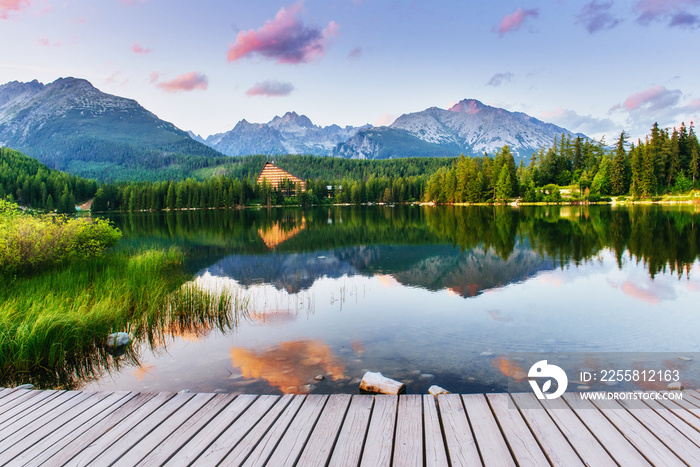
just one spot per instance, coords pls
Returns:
(73, 428)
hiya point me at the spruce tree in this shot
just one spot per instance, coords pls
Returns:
(618, 169)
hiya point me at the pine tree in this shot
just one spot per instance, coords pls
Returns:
(618, 169)
(649, 177)
(504, 186)
(49, 204)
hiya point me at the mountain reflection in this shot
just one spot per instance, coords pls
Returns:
(473, 248)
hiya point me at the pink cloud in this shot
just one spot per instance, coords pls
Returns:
(285, 39)
(513, 21)
(46, 42)
(139, 49)
(657, 97)
(185, 82)
(155, 76)
(6, 6)
(651, 10)
(270, 89)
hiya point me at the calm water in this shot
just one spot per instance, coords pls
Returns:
(425, 295)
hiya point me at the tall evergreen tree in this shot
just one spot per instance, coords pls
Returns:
(618, 168)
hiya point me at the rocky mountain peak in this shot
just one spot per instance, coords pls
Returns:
(291, 119)
(469, 106)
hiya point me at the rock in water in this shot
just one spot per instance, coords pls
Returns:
(376, 383)
(677, 386)
(435, 390)
(118, 339)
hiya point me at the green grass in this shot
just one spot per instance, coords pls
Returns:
(62, 294)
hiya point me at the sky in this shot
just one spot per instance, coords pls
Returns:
(597, 68)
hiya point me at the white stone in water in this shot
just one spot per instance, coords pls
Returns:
(675, 386)
(26, 386)
(118, 339)
(376, 382)
(583, 387)
(427, 376)
(319, 377)
(486, 354)
(435, 390)
(685, 359)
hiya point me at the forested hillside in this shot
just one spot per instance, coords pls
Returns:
(30, 183)
(666, 161)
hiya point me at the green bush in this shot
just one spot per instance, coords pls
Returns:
(28, 243)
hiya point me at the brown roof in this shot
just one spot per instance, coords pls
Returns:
(275, 176)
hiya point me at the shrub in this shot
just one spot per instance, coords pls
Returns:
(28, 242)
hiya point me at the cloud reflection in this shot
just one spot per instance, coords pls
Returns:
(291, 365)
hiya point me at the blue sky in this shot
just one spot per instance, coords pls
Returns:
(596, 67)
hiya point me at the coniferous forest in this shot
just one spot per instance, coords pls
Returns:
(666, 161)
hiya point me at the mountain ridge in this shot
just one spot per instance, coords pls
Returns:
(71, 125)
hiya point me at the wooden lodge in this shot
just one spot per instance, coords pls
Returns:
(275, 177)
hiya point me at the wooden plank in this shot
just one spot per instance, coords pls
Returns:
(679, 412)
(523, 444)
(289, 448)
(246, 446)
(637, 434)
(678, 423)
(122, 428)
(7, 391)
(236, 431)
(461, 446)
(348, 447)
(27, 425)
(492, 446)
(693, 397)
(204, 437)
(24, 405)
(408, 442)
(142, 429)
(270, 440)
(159, 434)
(13, 394)
(685, 404)
(121, 417)
(553, 442)
(380, 434)
(664, 431)
(435, 453)
(320, 444)
(27, 443)
(187, 430)
(59, 439)
(620, 447)
(585, 444)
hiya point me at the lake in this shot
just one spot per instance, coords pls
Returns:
(426, 295)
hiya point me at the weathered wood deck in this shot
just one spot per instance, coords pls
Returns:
(78, 428)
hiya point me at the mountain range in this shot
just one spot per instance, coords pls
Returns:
(288, 134)
(71, 125)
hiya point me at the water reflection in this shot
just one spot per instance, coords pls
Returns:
(291, 366)
(427, 295)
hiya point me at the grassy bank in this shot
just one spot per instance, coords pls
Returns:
(58, 318)
(63, 292)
